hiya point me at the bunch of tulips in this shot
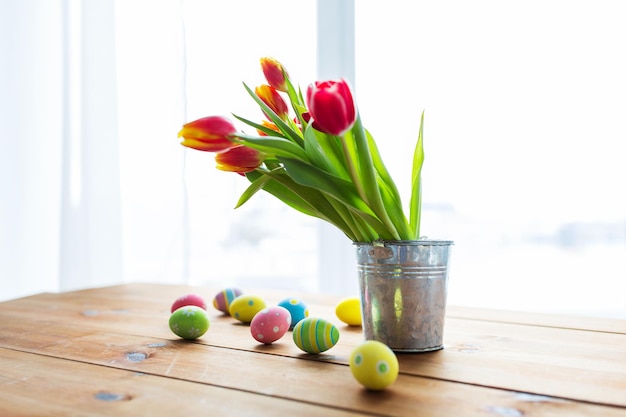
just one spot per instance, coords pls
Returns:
(315, 155)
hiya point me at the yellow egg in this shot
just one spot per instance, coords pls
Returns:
(374, 365)
(245, 307)
(349, 311)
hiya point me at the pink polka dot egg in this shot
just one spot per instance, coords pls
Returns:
(270, 324)
(188, 300)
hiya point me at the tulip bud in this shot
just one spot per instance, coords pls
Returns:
(209, 134)
(274, 101)
(268, 125)
(331, 106)
(240, 159)
(275, 73)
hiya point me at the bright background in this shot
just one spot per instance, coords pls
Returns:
(524, 133)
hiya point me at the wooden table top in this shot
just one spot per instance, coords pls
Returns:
(109, 352)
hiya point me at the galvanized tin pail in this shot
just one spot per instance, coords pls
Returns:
(404, 287)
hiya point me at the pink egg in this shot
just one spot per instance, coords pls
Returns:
(188, 300)
(270, 324)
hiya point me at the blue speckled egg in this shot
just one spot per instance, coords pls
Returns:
(297, 308)
(315, 335)
(245, 307)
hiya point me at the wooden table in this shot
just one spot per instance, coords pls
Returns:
(109, 351)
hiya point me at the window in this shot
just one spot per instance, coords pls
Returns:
(524, 133)
(523, 101)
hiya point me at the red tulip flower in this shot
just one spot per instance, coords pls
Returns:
(209, 134)
(275, 73)
(240, 159)
(331, 106)
(273, 99)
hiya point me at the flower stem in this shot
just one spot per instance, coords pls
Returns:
(368, 181)
(352, 170)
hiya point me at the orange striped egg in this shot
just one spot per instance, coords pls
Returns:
(315, 335)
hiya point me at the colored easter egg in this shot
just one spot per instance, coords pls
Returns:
(188, 300)
(222, 299)
(297, 308)
(348, 311)
(315, 335)
(245, 307)
(374, 365)
(270, 324)
(189, 322)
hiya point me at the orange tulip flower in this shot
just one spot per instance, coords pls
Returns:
(274, 101)
(275, 73)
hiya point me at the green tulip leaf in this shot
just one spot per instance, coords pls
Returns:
(324, 151)
(274, 145)
(264, 129)
(416, 182)
(389, 192)
(338, 188)
(366, 177)
(257, 183)
(306, 200)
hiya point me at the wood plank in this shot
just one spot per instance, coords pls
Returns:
(157, 385)
(322, 305)
(35, 385)
(597, 324)
(559, 362)
(169, 291)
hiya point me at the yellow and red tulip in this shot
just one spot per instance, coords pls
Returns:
(275, 73)
(210, 134)
(239, 159)
(331, 106)
(268, 125)
(273, 99)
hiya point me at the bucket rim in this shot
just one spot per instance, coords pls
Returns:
(417, 242)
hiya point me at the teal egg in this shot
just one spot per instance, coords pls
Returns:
(297, 308)
(315, 335)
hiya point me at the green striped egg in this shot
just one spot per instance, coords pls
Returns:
(315, 335)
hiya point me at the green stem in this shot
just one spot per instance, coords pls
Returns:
(368, 180)
(354, 233)
(354, 174)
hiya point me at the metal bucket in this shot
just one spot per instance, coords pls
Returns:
(404, 286)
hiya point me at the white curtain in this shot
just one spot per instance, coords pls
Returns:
(61, 213)
(31, 138)
(96, 188)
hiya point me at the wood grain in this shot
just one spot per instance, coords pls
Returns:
(36, 385)
(500, 365)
